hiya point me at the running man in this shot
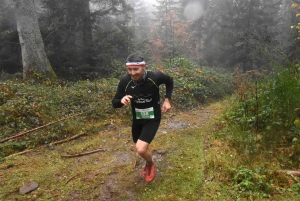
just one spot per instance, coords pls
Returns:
(140, 88)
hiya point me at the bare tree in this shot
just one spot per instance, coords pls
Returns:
(34, 57)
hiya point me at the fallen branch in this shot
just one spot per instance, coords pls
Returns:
(37, 128)
(82, 154)
(68, 139)
(19, 153)
(54, 143)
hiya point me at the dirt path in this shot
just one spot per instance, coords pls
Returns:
(112, 175)
(113, 190)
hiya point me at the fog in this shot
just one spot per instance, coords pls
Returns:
(193, 10)
(228, 34)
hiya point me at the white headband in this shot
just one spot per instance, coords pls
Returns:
(141, 63)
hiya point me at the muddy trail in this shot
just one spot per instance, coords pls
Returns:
(113, 174)
(113, 190)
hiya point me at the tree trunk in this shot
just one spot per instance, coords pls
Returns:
(34, 57)
(87, 33)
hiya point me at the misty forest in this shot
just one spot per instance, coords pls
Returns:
(234, 129)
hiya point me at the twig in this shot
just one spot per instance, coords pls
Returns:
(82, 154)
(68, 139)
(70, 178)
(37, 128)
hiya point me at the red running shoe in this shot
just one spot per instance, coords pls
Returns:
(150, 173)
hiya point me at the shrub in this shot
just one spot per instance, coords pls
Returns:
(266, 103)
(195, 85)
(262, 113)
(252, 183)
(27, 106)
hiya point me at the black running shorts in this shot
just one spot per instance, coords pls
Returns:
(144, 130)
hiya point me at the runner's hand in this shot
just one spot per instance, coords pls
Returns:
(126, 100)
(166, 106)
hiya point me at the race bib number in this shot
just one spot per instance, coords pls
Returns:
(147, 113)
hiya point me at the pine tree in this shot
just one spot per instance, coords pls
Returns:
(170, 31)
(241, 32)
(85, 35)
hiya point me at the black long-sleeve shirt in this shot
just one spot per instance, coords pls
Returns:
(145, 95)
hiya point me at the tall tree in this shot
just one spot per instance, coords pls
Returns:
(242, 31)
(79, 34)
(87, 32)
(10, 49)
(170, 36)
(140, 23)
(195, 10)
(32, 46)
(293, 9)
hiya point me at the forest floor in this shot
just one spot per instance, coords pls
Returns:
(114, 172)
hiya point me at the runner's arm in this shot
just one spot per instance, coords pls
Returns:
(116, 101)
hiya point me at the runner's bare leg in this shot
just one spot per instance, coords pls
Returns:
(143, 149)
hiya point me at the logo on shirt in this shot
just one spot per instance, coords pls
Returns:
(143, 100)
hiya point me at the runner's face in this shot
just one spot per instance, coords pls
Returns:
(136, 72)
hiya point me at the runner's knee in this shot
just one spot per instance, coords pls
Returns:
(141, 149)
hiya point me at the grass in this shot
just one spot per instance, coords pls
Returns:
(233, 171)
(52, 172)
(182, 177)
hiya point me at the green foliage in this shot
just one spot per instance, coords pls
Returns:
(262, 115)
(261, 182)
(116, 69)
(194, 85)
(25, 106)
(252, 183)
(267, 104)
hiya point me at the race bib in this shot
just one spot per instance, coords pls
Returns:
(147, 113)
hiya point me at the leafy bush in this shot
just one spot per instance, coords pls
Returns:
(252, 183)
(194, 85)
(26, 106)
(262, 113)
(266, 103)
